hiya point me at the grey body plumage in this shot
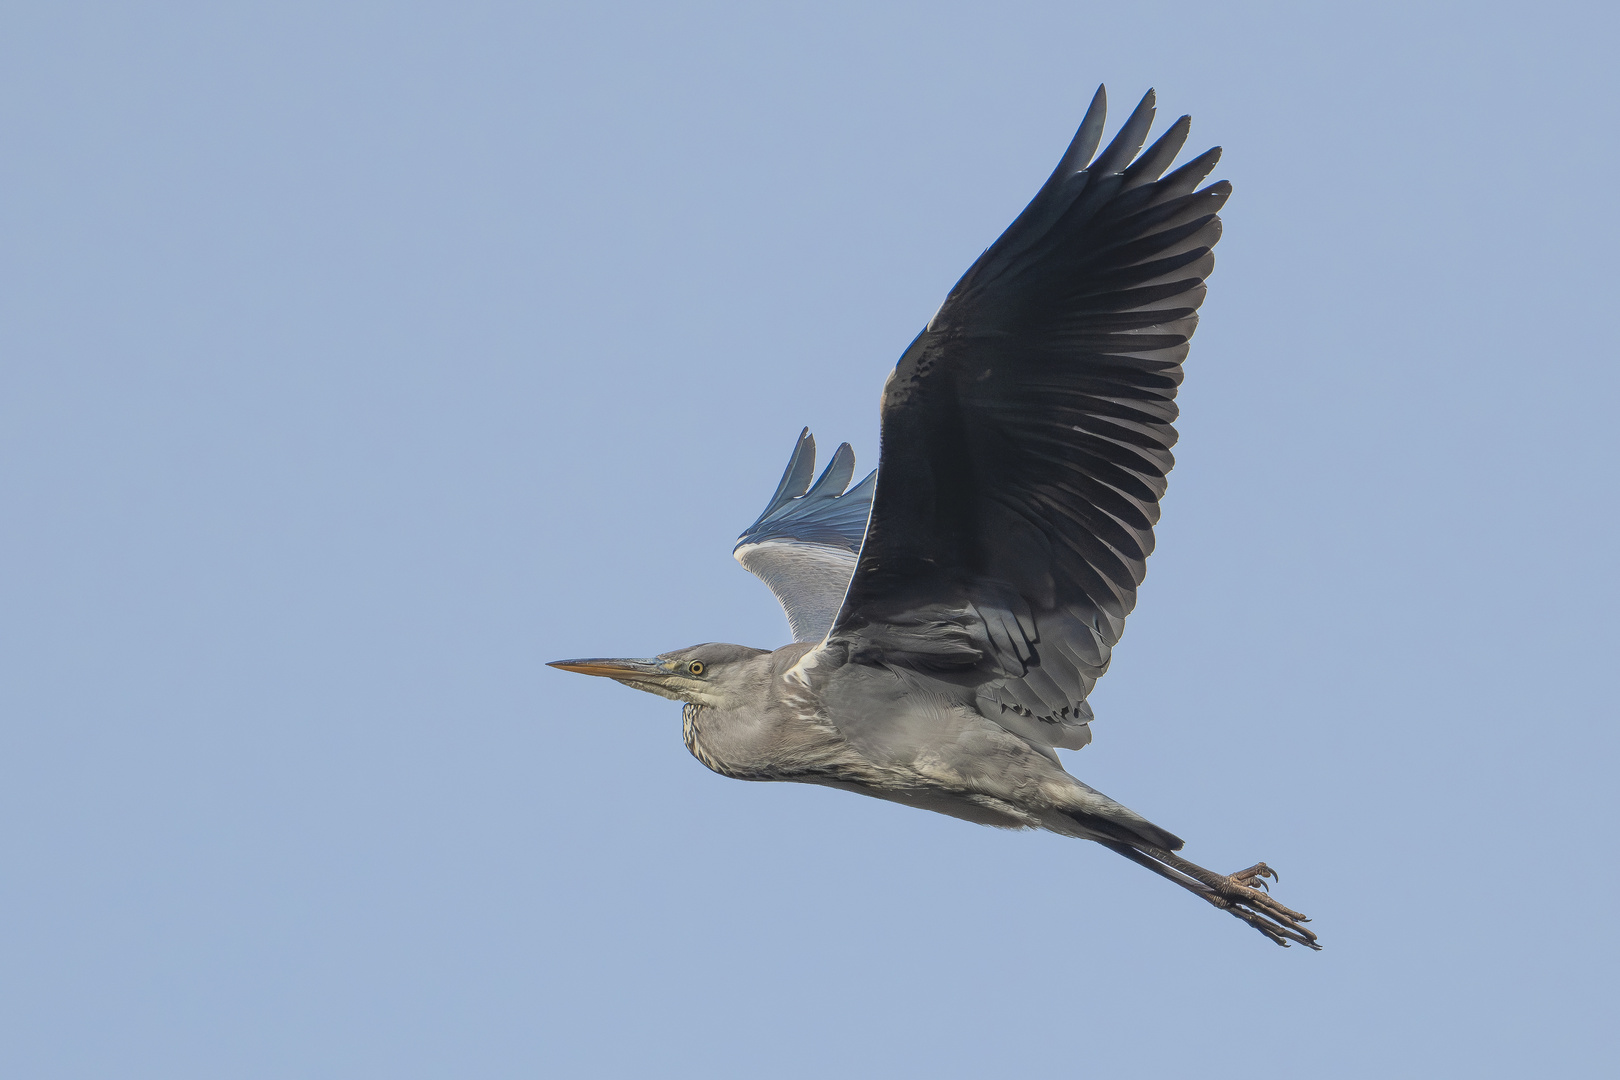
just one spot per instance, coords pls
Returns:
(952, 611)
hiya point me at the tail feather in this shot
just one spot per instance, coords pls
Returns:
(1134, 830)
(1098, 813)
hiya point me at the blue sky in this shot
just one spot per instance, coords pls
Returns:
(361, 358)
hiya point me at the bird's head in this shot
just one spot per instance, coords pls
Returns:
(714, 674)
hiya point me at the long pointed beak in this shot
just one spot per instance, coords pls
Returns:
(616, 668)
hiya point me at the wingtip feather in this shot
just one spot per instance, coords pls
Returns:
(1128, 141)
(1087, 137)
(796, 477)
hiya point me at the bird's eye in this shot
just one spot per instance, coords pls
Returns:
(695, 667)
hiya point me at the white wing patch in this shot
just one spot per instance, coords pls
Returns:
(809, 581)
(806, 543)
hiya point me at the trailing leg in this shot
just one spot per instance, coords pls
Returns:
(1243, 894)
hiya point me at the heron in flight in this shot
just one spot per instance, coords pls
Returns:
(951, 611)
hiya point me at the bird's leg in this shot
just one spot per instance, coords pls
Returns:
(1243, 894)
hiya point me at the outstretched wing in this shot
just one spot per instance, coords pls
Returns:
(1027, 434)
(805, 543)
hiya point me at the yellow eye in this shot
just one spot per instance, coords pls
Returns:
(695, 667)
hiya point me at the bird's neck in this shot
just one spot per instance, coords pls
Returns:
(691, 734)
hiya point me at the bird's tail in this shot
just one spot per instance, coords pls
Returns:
(1101, 818)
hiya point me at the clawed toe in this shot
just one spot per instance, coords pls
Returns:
(1249, 898)
(1255, 877)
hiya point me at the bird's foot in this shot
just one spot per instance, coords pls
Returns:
(1247, 896)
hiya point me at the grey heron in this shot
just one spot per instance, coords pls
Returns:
(952, 611)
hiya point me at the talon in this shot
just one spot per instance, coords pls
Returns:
(1254, 877)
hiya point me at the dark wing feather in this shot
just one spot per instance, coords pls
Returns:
(1027, 435)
